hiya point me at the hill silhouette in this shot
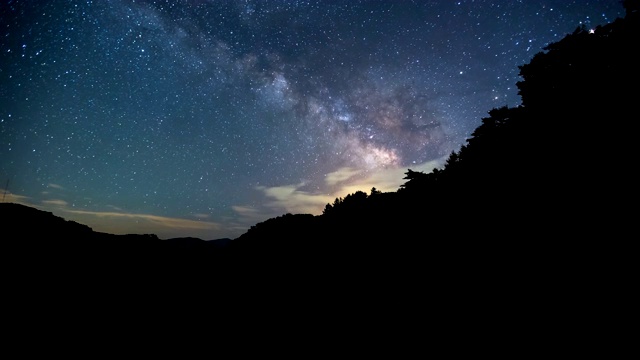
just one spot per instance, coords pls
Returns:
(514, 218)
(544, 176)
(554, 166)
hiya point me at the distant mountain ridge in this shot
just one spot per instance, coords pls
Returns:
(39, 237)
(50, 224)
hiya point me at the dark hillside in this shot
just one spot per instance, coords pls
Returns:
(523, 205)
(43, 240)
(539, 180)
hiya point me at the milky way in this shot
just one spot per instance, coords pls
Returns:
(202, 118)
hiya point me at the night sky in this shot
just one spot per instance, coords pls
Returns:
(202, 118)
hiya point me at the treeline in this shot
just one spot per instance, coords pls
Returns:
(557, 166)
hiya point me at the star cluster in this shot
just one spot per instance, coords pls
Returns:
(202, 118)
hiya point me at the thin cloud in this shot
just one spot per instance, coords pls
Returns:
(250, 215)
(295, 201)
(245, 210)
(17, 199)
(115, 208)
(155, 219)
(120, 223)
(55, 202)
(340, 175)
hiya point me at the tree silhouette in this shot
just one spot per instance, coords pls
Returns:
(415, 179)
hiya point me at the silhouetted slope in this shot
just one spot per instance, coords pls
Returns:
(32, 222)
(556, 165)
(541, 178)
(37, 237)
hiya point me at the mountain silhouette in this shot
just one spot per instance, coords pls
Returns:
(522, 217)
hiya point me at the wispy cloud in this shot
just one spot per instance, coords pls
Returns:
(247, 211)
(14, 198)
(154, 219)
(133, 223)
(295, 201)
(340, 175)
(55, 202)
(250, 215)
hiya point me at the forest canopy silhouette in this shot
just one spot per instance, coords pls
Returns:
(553, 166)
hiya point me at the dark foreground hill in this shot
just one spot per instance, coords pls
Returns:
(523, 229)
